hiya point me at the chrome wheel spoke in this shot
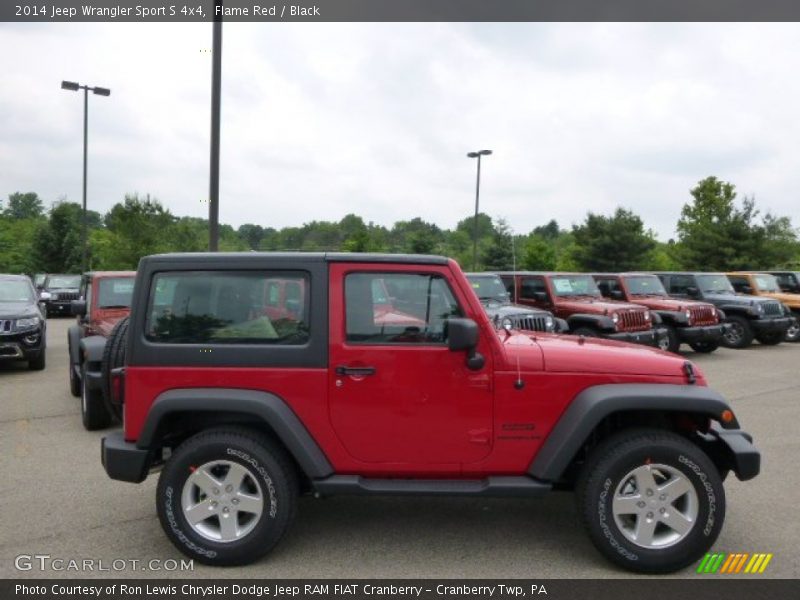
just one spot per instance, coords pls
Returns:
(627, 505)
(199, 512)
(645, 530)
(675, 488)
(234, 478)
(677, 521)
(228, 527)
(644, 479)
(249, 504)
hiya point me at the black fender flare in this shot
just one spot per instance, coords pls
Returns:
(595, 403)
(264, 406)
(672, 317)
(91, 348)
(73, 344)
(601, 322)
(740, 310)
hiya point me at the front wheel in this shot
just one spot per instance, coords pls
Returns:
(793, 333)
(739, 334)
(227, 496)
(652, 502)
(772, 338)
(668, 340)
(704, 347)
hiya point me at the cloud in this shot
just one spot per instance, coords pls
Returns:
(324, 119)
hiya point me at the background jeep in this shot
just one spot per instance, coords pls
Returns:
(104, 299)
(766, 284)
(695, 323)
(507, 314)
(60, 290)
(789, 281)
(749, 317)
(23, 327)
(576, 298)
(243, 415)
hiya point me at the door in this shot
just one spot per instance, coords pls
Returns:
(397, 393)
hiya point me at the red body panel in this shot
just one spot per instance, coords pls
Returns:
(102, 320)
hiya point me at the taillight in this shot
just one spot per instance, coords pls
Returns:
(118, 385)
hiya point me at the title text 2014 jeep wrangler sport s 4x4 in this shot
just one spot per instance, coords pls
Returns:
(244, 404)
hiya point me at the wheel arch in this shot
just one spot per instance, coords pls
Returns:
(600, 322)
(73, 344)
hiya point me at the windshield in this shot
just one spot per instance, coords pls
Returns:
(15, 291)
(714, 284)
(488, 287)
(645, 285)
(766, 283)
(63, 281)
(575, 285)
(115, 292)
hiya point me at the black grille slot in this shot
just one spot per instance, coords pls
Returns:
(5, 326)
(530, 323)
(773, 309)
(64, 296)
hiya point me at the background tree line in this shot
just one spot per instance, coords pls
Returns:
(716, 232)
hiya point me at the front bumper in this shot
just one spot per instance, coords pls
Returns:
(772, 325)
(59, 307)
(735, 449)
(15, 347)
(702, 333)
(122, 460)
(648, 337)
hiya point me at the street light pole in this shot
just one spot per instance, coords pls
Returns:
(99, 91)
(216, 84)
(477, 155)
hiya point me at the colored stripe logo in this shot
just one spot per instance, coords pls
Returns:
(734, 563)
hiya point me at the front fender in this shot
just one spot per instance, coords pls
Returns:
(672, 317)
(596, 403)
(91, 348)
(599, 321)
(73, 343)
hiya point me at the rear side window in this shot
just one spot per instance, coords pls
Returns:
(678, 284)
(608, 285)
(531, 286)
(738, 282)
(398, 308)
(114, 292)
(229, 307)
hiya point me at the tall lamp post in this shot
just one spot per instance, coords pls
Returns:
(100, 91)
(477, 155)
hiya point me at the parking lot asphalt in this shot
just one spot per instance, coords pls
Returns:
(57, 501)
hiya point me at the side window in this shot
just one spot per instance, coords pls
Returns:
(679, 283)
(398, 308)
(228, 307)
(738, 282)
(508, 282)
(529, 286)
(608, 285)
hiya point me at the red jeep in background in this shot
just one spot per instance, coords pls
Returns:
(242, 419)
(576, 298)
(695, 323)
(105, 298)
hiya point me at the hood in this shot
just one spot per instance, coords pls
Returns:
(507, 309)
(740, 299)
(57, 290)
(600, 306)
(14, 310)
(570, 354)
(667, 303)
(785, 297)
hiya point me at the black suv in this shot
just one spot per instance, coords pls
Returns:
(789, 281)
(22, 322)
(61, 290)
(749, 317)
(497, 303)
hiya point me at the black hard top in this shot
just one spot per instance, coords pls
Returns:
(688, 273)
(216, 257)
(11, 277)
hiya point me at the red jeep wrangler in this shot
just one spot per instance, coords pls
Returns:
(243, 413)
(105, 298)
(576, 298)
(695, 323)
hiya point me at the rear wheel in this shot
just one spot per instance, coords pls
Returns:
(94, 414)
(704, 347)
(114, 357)
(651, 501)
(739, 334)
(227, 496)
(772, 338)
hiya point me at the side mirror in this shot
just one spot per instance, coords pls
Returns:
(692, 291)
(462, 334)
(617, 295)
(78, 308)
(540, 296)
(45, 296)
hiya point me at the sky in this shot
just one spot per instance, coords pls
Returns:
(320, 120)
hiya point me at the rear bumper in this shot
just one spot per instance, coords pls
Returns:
(648, 337)
(122, 460)
(771, 325)
(735, 447)
(702, 333)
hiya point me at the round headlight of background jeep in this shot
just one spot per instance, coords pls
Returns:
(615, 317)
(31, 339)
(507, 324)
(647, 316)
(549, 324)
(27, 323)
(760, 307)
(688, 314)
(53, 296)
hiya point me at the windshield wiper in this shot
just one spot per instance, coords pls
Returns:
(114, 306)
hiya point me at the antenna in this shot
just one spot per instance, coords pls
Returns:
(514, 267)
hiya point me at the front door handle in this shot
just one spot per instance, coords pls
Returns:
(355, 371)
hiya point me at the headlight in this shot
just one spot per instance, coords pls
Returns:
(760, 308)
(615, 318)
(549, 324)
(27, 323)
(507, 324)
(53, 296)
(688, 314)
(713, 311)
(647, 316)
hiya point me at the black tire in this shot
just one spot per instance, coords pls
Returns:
(741, 333)
(773, 338)
(38, 363)
(793, 333)
(610, 465)
(266, 463)
(74, 380)
(586, 332)
(114, 357)
(704, 347)
(94, 414)
(671, 343)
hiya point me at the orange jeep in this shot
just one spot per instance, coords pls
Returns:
(766, 284)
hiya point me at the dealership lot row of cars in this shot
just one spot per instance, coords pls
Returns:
(226, 357)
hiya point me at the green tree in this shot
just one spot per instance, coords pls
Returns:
(141, 227)
(499, 255)
(538, 253)
(24, 206)
(615, 243)
(58, 244)
(251, 234)
(548, 232)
